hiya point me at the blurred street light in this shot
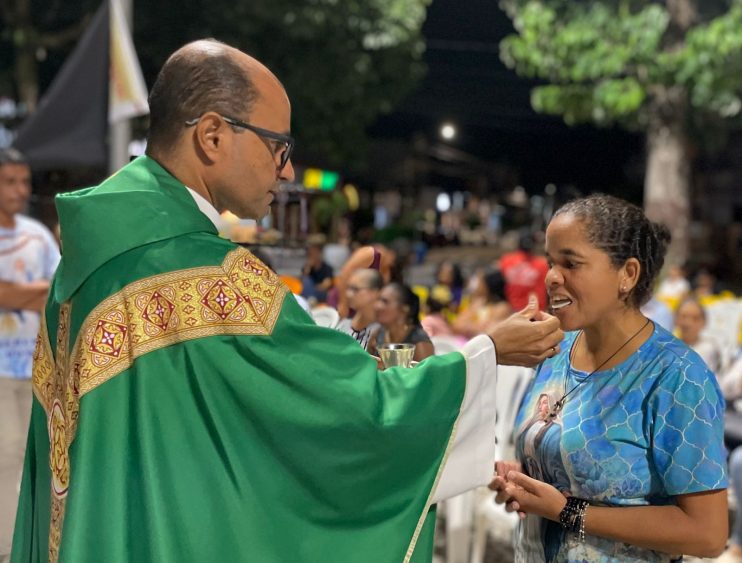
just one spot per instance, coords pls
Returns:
(448, 131)
(443, 202)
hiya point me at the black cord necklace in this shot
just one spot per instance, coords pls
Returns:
(559, 405)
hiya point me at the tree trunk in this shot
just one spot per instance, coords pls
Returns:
(683, 14)
(667, 183)
(26, 68)
(27, 40)
(27, 77)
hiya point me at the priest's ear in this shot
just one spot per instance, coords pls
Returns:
(211, 135)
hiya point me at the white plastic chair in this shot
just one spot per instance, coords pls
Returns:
(325, 316)
(458, 512)
(512, 382)
(723, 320)
(490, 519)
(471, 516)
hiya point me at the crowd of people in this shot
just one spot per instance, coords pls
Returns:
(186, 407)
(459, 307)
(376, 306)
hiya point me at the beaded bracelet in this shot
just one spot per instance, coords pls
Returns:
(581, 535)
(572, 516)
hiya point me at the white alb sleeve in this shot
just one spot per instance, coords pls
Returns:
(471, 457)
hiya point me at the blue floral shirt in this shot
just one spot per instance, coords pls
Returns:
(637, 434)
(28, 252)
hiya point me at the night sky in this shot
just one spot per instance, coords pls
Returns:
(467, 84)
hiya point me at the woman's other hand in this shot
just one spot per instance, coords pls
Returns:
(531, 496)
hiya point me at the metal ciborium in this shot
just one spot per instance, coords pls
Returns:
(397, 354)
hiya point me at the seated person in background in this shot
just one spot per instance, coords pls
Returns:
(487, 305)
(707, 289)
(316, 275)
(362, 292)
(449, 275)
(675, 287)
(704, 284)
(376, 257)
(690, 320)
(398, 313)
(434, 322)
(731, 381)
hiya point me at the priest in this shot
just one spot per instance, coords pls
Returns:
(187, 409)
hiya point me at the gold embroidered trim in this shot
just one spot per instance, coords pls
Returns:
(62, 423)
(240, 297)
(43, 367)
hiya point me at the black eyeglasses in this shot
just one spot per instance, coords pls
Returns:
(285, 142)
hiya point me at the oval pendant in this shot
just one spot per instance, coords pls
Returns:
(554, 412)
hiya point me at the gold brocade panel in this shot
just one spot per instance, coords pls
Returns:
(240, 297)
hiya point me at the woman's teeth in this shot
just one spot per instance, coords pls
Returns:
(560, 303)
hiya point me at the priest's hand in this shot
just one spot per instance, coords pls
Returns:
(379, 363)
(527, 337)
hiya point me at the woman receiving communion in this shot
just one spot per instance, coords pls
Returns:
(639, 413)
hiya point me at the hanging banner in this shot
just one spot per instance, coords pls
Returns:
(127, 91)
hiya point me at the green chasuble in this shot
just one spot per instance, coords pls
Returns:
(188, 410)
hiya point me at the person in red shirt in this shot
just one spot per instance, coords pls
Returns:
(524, 273)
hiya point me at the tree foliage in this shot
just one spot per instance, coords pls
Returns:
(30, 30)
(606, 61)
(343, 62)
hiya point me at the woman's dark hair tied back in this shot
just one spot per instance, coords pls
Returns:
(407, 298)
(623, 231)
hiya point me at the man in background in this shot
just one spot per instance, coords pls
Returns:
(316, 275)
(524, 273)
(28, 258)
